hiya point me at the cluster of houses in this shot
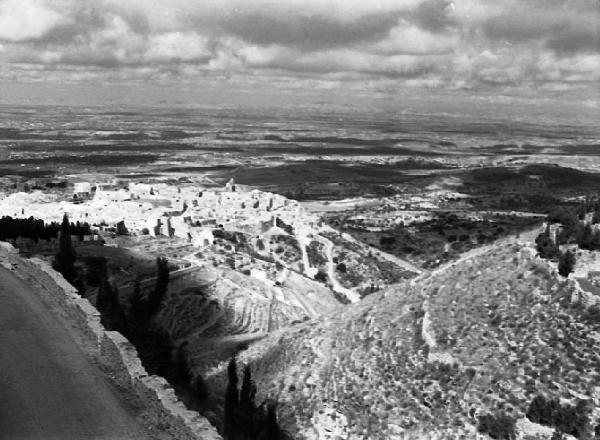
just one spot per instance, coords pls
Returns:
(159, 209)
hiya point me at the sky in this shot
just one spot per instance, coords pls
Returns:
(164, 51)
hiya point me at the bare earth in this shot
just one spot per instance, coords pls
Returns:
(50, 389)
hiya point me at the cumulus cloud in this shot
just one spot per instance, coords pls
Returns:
(22, 20)
(430, 43)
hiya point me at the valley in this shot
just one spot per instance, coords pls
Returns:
(377, 283)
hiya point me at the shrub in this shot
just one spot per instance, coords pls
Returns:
(387, 241)
(321, 276)
(566, 263)
(592, 314)
(567, 419)
(499, 426)
(546, 247)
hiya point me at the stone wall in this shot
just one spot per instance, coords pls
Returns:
(118, 357)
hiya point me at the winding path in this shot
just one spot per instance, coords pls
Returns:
(335, 284)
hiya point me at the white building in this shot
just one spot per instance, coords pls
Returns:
(82, 188)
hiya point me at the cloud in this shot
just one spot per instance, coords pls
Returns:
(435, 15)
(22, 20)
(461, 44)
(561, 26)
(309, 32)
(407, 38)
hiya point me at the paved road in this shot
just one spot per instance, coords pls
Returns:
(49, 389)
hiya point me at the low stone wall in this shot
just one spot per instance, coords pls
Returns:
(118, 357)
(121, 359)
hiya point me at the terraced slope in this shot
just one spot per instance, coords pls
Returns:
(216, 317)
(426, 358)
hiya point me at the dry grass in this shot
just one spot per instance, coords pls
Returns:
(503, 332)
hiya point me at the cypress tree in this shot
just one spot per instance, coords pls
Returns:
(117, 314)
(162, 283)
(104, 300)
(182, 374)
(585, 238)
(64, 261)
(272, 426)
(200, 388)
(137, 306)
(248, 389)
(247, 408)
(231, 400)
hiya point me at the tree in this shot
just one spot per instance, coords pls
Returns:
(200, 388)
(566, 263)
(64, 261)
(272, 431)
(181, 373)
(231, 400)
(121, 228)
(104, 299)
(499, 426)
(79, 285)
(584, 240)
(109, 306)
(162, 283)
(96, 270)
(562, 237)
(170, 229)
(321, 276)
(546, 247)
(154, 347)
(541, 410)
(137, 306)
(118, 321)
(247, 408)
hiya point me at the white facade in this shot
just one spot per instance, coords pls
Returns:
(82, 188)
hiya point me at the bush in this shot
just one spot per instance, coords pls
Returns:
(386, 241)
(96, 270)
(567, 419)
(566, 263)
(500, 426)
(315, 255)
(592, 314)
(546, 247)
(321, 276)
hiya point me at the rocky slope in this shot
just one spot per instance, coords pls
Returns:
(427, 358)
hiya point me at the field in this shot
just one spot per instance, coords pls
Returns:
(441, 239)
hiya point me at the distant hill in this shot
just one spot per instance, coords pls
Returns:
(428, 358)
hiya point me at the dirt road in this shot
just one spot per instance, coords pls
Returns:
(50, 389)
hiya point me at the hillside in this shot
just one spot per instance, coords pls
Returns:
(216, 311)
(432, 355)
